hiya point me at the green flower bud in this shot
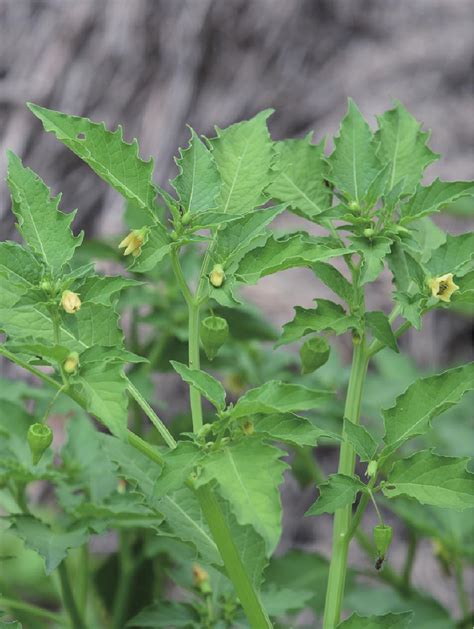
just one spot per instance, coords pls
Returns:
(71, 363)
(186, 219)
(248, 427)
(354, 206)
(46, 285)
(371, 469)
(382, 539)
(368, 232)
(214, 332)
(217, 276)
(314, 354)
(39, 439)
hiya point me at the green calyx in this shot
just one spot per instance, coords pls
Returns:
(39, 438)
(382, 539)
(213, 332)
(314, 353)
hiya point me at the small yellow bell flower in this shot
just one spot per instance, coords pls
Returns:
(133, 242)
(70, 301)
(71, 363)
(217, 275)
(443, 287)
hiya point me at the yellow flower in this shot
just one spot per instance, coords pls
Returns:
(200, 576)
(133, 242)
(70, 301)
(217, 275)
(443, 287)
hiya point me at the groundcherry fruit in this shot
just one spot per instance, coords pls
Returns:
(39, 438)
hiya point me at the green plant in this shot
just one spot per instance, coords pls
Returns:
(204, 493)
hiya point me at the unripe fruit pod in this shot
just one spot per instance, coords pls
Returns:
(214, 332)
(39, 438)
(382, 539)
(314, 354)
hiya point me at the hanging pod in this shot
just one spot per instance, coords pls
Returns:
(39, 438)
(314, 353)
(382, 539)
(214, 332)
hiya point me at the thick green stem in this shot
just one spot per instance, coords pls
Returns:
(121, 598)
(343, 516)
(152, 416)
(34, 610)
(194, 363)
(460, 586)
(409, 560)
(236, 571)
(68, 598)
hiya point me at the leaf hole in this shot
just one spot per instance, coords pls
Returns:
(81, 136)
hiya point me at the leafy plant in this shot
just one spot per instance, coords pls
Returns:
(198, 502)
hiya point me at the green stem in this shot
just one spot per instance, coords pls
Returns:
(342, 518)
(121, 598)
(194, 363)
(409, 560)
(462, 594)
(68, 598)
(11, 603)
(83, 579)
(152, 416)
(249, 598)
(361, 507)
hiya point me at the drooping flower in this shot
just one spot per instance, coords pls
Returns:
(70, 301)
(217, 275)
(443, 287)
(133, 242)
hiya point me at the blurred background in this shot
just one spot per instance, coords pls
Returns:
(156, 65)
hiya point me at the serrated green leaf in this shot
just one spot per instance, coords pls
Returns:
(281, 601)
(113, 159)
(93, 324)
(292, 429)
(441, 481)
(402, 143)
(208, 386)
(433, 198)
(452, 256)
(338, 491)
(379, 325)
(387, 621)
(360, 439)
(300, 171)
(53, 546)
(243, 153)
(354, 163)
(334, 280)
(104, 355)
(19, 271)
(287, 252)
(373, 251)
(205, 220)
(277, 397)
(198, 183)
(178, 465)
(248, 474)
(406, 270)
(44, 227)
(53, 354)
(424, 400)
(166, 614)
(101, 289)
(326, 316)
(156, 247)
(411, 307)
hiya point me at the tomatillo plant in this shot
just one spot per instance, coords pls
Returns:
(205, 492)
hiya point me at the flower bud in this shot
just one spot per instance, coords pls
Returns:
(382, 539)
(71, 363)
(368, 232)
(201, 579)
(186, 218)
(217, 276)
(443, 287)
(371, 469)
(314, 353)
(134, 241)
(354, 206)
(70, 301)
(39, 438)
(214, 332)
(46, 285)
(248, 427)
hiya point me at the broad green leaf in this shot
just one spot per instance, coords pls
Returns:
(208, 386)
(402, 143)
(441, 481)
(207, 219)
(243, 153)
(411, 307)
(424, 400)
(280, 601)
(300, 171)
(245, 233)
(373, 251)
(179, 463)
(338, 491)
(433, 198)
(277, 397)
(326, 316)
(93, 324)
(104, 355)
(52, 545)
(165, 614)
(361, 440)
(198, 183)
(120, 511)
(354, 163)
(103, 290)
(248, 474)
(407, 272)
(334, 280)
(19, 271)
(452, 256)
(380, 327)
(44, 227)
(287, 252)
(113, 159)
(53, 354)
(387, 621)
(465, 295)
(153, 250)
(378, 187)
(104, 388)
(291, 429)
